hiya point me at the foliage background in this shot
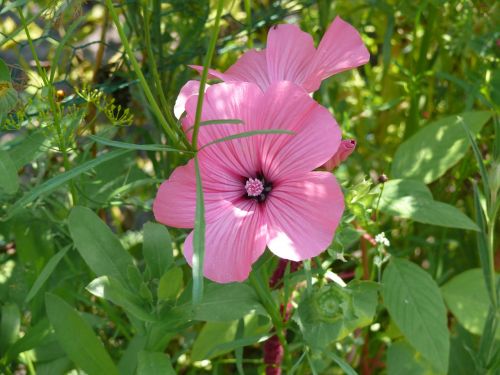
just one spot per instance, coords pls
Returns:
(430, 61)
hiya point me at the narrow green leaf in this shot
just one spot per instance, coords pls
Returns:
(132, 146)
(198, 238)
(9, 326)
(84, 349)
(429, 153)
(46, 272)
(112, 290)
(248, 134)
(341, 363)
(4, 72)
(157, 249)
(479, 159)
(485, 254)
(8, 174)
(98, 246)
(415, 304)
(61, 179)
(230, 121)
(152, 363)
(29, 147)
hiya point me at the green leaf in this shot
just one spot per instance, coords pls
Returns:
(8, 174)
(98, 246)
(429, 153)
(27, 149)
(415, 304)
(9, 326)
(84, 349)
(33, 337)
(411, 199)
(152, 363)
(4, 72)
(157, 249)
(225, 302)
(217, 338)
(61, 179)
(467, 298)
(132, 146)
(341, 363)
(230, 121)
(46, 272)
(112, 290)
(248, 134)
(198, 238)
(403, 359)
(171, 284)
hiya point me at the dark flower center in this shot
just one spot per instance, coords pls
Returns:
(257, 188)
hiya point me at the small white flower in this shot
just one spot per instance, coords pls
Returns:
(382, 239)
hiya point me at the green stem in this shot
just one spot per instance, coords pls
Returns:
(204, 74)
(137, 69)
(248, 10)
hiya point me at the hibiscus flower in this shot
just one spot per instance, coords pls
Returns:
(291, 56)
(259, 191)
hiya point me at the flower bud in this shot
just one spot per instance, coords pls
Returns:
(345, 149)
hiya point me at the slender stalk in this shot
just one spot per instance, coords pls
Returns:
(142, 80)
(204, 74)
(248, 10)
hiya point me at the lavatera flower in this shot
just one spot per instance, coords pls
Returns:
(291, 56)
(259, 191)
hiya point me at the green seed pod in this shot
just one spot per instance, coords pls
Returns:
(8, 97)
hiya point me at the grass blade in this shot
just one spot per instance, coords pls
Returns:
(198, 238)
(57, 181)
(248, 134)
(131, 146)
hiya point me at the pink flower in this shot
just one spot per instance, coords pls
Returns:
(346, 148)
(260, 190)
(291, 56)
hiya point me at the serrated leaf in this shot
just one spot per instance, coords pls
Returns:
(414, 302)
(85, 350)
(429, 153)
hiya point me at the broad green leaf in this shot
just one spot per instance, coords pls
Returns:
(423, 210)
(46, 272)
(394, 189)
(59, 180)
(217, 338)
(467, 298)
(198, 238)
(152, 363)
(133, 146)
(157, 249)
(226, 302)
(8, 174)
(415, 304)
(429, 153)
(10, 323)
(28, 148)
(112, 290)
(98, 245)
(248, 134)
(170, 284)
(77, 338)
(403, 359)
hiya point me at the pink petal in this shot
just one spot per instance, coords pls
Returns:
(212, 73)
(346, 148)
(317, 135)
(250, 67)
(175, 201)
(289, 52)
(189, 89)
(303, 214)
(232, 243)
(341, 48)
